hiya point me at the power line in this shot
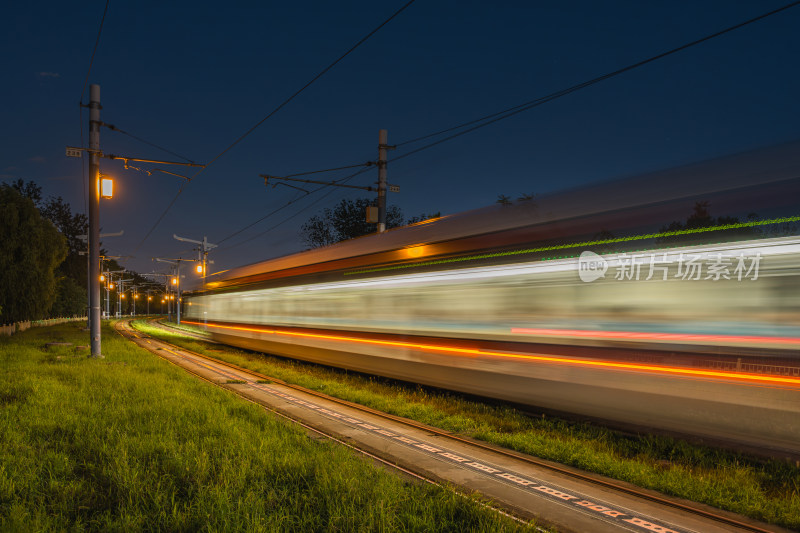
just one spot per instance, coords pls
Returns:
(94, 50)
(367, 164)
(114, 128)
(307, 85)
(511, 111)
(292, 97)
(315, 202)
(80, 102)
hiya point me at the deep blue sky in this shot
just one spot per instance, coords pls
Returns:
(194, 76)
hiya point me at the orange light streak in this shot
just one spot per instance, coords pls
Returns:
(715, 374)
(684, 337)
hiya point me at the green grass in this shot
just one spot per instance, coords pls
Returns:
(132, 443)
(764, 490)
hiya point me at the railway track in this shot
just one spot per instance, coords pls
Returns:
(573, 499)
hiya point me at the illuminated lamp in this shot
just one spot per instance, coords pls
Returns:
(106, 187)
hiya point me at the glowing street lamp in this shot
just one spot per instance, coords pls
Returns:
(106, 186)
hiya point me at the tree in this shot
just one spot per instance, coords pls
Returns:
(28, 189)
(347, 220)
(71, 226)
(32, 249)
(70, 299)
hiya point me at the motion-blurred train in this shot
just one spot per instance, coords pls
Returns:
(673, 306)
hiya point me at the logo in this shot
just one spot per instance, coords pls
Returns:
(591, 266)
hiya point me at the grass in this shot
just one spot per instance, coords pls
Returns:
(132, 443)
(763, 490)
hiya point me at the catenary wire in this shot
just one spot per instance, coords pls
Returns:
(80, 102)
(132, 136)
(309, 206)
(511, 111)
(367, 164)
(259, 123)
(341, 180)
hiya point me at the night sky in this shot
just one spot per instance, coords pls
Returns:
(194, 76)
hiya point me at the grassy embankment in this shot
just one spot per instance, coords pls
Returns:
(131, 442)
(768, 491)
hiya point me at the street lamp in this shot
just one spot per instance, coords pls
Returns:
(106, 186)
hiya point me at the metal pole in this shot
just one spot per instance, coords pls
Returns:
(382, 145)
(94, 220)
(178, 295)
(205, 257)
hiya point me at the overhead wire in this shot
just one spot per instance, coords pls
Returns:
(274, 111)
(367, 164)
(511, 111)
(144, 141)
(341, 180)
(271, 213)
(80, 102)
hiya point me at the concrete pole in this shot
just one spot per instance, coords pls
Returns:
(94, 221)
(382, 145)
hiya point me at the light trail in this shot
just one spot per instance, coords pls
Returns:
(638, 335)
(614, 365)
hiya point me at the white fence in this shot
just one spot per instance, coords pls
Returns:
(10, 329)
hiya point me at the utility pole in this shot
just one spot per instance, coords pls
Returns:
(177, 282)
(94, 220)
(121, 294)
(382, 146)
(85, 238)
(133, 298)
(202, 257)
(383, 187)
